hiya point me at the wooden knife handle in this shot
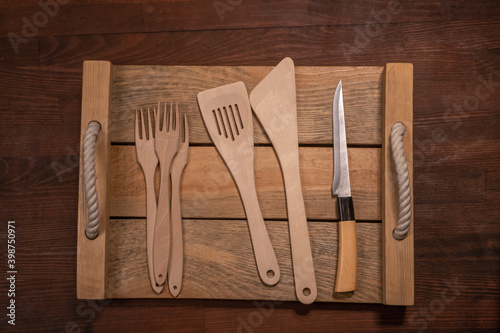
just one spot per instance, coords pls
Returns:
(347, 265)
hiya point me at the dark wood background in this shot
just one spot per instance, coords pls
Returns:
(455, 48)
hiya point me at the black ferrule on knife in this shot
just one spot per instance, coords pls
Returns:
(346, 209)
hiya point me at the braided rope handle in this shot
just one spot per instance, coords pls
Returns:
(398, 154)
(89, 178)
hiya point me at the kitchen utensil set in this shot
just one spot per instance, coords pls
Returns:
(163, 221)
(227, 113)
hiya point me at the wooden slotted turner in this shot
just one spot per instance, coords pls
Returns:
(274, 102)
(228, 118)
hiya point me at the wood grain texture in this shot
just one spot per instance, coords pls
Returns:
(456, 154)
(91, 17)
(92, 261)
(347, 269)
(140, 86)
(398, 255)
(222, 250)
(208, 191)
(227, 116)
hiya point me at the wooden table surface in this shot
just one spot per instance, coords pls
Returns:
(455, 48)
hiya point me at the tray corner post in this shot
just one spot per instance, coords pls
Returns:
(398, 255)
(92, 254)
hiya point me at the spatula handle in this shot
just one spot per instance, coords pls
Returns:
(303, 267)
(267, 264)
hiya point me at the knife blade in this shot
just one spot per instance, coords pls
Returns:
(347, 265)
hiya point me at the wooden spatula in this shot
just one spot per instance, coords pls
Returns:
(228, 118)
(274, 102)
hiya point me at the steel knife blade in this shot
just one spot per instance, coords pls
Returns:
(341, 187)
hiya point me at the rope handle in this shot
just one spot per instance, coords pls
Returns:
(89, 178)
(398, 130)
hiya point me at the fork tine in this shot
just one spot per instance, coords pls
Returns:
(186, 131)
(137, 138)
(177, 118)
(171, 118)
(158, 118)
(150, 126)
(143, 126)
(155, 119)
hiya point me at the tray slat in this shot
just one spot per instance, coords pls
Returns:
(91, 254)
(219, 262)
(208, 190)
(142, 86)
(398, 255)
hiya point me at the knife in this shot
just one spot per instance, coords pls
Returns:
(347, 264)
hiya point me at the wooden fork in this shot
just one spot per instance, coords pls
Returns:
(146, 156)
(175, 267)
(166, 145)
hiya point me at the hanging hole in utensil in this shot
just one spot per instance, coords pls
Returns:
(229, 127)
(235, 124)
(270, 273)
(306, 291)
(160, 276)
(239, 115)
(216, 122)
(221, 122)
(175, 287)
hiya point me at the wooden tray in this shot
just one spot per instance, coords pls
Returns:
(219, 261)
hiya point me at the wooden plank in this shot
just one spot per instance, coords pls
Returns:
(93, 17)
(219, 262)
(91, 254)
(246, 47)
(208, 190)
(397, 254)
(142, 86)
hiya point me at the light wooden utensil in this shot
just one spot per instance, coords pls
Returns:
(146, 156)
(176, 263)
(166, 145)
(228, 118)
(274, 102)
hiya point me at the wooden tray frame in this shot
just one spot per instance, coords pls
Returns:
(397, 256)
